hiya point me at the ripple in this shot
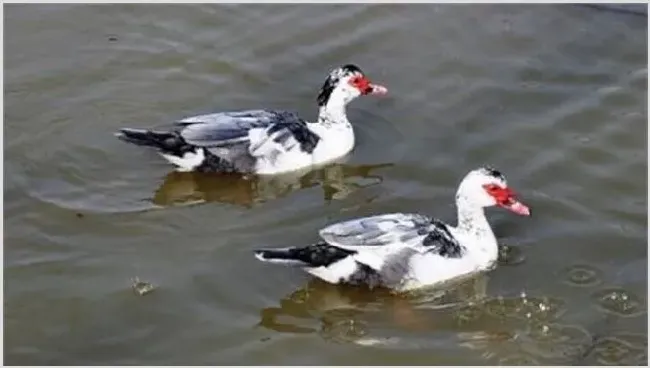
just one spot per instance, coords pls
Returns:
(511, 255)
(531, 309)
(518, 359)
(523, 307)
(619, 302)
(371, 341)
(582, 276)
(618, 350)
(555, 341)
(482, 340)
(141, 287)
(468, 313)
(339, 327)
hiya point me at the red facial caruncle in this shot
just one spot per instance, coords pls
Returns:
(506, 198)
(365, 87)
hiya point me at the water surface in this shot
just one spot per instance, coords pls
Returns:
(554, 96)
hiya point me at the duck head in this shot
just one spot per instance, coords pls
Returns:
(487, 187)
(344, 84)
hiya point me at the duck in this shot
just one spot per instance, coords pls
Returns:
(265, 142)
(408, 251)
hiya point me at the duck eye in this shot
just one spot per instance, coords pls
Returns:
(491, 187)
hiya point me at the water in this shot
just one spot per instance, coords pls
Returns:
(110, 258)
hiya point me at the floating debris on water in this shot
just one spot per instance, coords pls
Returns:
(141, 287)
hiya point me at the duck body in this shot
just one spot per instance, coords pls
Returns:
(400, 251)
(262, 141)
(252, 141)
(403, 251)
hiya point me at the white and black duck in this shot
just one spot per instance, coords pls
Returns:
(407, 251)
(263, 141)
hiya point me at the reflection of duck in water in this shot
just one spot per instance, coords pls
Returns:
(337, 180)
(458, 315)
(409, 251)
(340, 311)
(263, 141)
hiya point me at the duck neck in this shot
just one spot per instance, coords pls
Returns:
(334, 111)
(473, 223)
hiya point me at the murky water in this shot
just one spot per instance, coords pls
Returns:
(554, 96)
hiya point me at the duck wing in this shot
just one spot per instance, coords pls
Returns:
(263, 132)
(379, 238)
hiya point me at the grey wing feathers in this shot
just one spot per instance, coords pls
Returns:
(224, 117)
(377, 238)
(225, 128)
(375, 231)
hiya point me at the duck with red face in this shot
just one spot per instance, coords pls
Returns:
(263, 141)
(405, 251)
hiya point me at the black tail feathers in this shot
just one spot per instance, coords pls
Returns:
(316, 255)
(282, 256)
(166, 141)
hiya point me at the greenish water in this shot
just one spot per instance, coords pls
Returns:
(554, 96)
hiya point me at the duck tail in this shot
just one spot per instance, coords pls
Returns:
(166, 141)
(284, 256)
(315, 255)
